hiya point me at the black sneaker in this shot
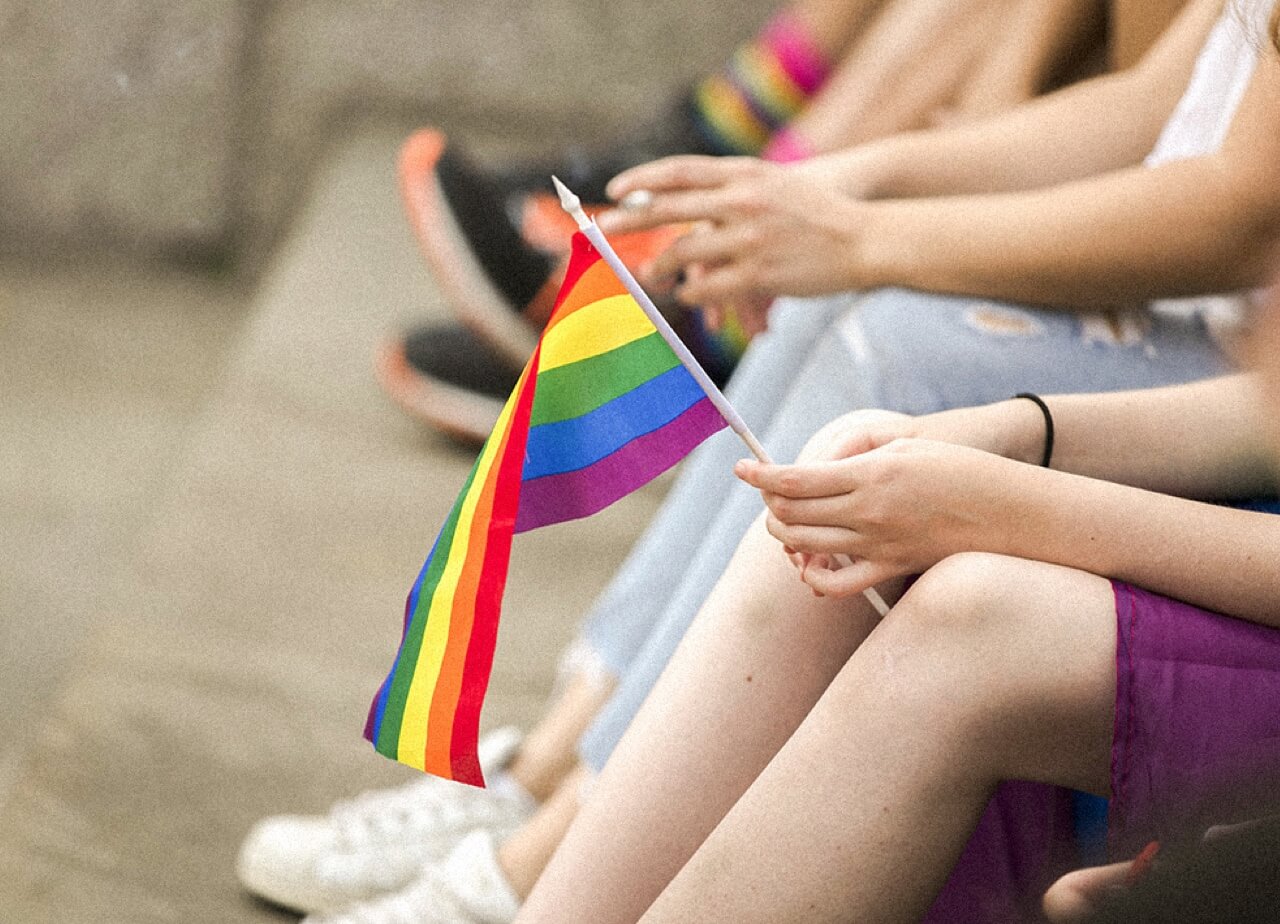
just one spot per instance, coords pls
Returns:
(493, 237)
(447, 378)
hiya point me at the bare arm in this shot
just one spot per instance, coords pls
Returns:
(1074, 133)
(1215, 557)
(1200, 440)
(1139, 449)
(880, 88)
(1209, 224)
(1203, 224)
(918, 492)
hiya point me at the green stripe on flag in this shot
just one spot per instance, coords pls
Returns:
(389, 732)
(579, 388)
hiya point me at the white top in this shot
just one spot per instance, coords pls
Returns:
(1200, 123)
(1203, 117)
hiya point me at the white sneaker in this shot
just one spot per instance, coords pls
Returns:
(380, 841)
(467, 888)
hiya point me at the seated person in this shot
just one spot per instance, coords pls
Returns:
(1069, 612)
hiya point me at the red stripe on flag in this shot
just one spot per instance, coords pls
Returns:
(492, 583)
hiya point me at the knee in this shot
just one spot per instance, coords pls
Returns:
(969, 609)
(968, 592)
(760, 583)
(854, 432)
(951, 632)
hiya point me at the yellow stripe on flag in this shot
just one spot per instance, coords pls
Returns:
(412, 746)
(593, 329)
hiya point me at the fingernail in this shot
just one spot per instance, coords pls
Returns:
(1142, 864)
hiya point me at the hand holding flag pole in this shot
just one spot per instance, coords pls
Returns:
(573, 205)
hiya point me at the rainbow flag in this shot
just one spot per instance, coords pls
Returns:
(603, 407)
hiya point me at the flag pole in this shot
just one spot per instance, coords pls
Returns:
(573, 205)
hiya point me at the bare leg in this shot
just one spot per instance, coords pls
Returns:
(549, 752)
(1042, 44)
(989, 668)
(525, 854)
(833, 24)
(910, 62)
(758, 657)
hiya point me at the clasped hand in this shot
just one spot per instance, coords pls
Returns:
(894, 503)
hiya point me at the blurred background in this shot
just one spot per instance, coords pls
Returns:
(210, 515)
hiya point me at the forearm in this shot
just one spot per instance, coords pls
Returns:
(1050, 140)
(880, 89)
(1060, 137)
(1059, 34)
(1199, 440)
(1214, 557)
(1185, 228)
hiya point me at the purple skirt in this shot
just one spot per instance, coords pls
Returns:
(1196, 743)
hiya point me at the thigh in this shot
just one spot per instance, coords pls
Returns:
(1023, 650)
(815, 393)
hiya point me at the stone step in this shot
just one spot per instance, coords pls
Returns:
(226, 674)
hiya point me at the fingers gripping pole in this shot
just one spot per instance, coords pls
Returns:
(573, 205)
(872, 595)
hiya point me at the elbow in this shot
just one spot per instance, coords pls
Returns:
(1260, 253)
(1250, 230)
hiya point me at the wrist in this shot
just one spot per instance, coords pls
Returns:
(863, 172)
(1013, 429)
(1027, 431)
(878, 248)
(1032, 515)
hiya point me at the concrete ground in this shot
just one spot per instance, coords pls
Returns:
(212, 517)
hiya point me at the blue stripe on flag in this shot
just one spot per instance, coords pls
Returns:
(568, 445)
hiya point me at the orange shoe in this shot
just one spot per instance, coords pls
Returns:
(500, 277)
(498, 274)
(447, 378)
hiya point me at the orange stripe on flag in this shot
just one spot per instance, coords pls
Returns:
(597, 283)
(448, 689)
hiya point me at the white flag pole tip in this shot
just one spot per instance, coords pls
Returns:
(571, 203)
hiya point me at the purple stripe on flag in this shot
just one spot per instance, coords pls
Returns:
(571, 495)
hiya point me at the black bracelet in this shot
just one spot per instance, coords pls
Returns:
(1048, 425)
